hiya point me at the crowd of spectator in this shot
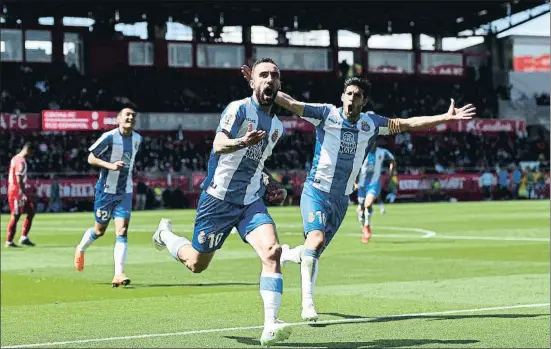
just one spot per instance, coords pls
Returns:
(66, 153)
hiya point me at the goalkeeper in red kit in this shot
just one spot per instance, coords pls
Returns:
(18, 197)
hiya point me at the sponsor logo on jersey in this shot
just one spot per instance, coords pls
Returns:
(254, 152)
(127, 157)
(348, 143)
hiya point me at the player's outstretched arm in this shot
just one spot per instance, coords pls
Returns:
(223, 144)
(289, 103)
(95, 161)
(282, 99)
(423, 122)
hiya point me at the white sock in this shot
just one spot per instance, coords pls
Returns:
(271, 289)
(360, 212)
(292, 254)
(119, 253)
(173, 242)
(381, 206)
(87, 239)
(367, 215)
(309, 274)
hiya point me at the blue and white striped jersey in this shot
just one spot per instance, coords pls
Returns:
(341, 146)
(113, 146)
(236, 177)
(373, 165)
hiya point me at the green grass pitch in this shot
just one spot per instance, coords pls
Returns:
(463, 275)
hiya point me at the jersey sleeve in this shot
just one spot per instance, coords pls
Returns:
(386, 126)
(388, 155)
(232, 117)
(316, 113)
(102, 145)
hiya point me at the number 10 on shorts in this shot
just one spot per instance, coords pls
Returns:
(214, 239)
(319, 216)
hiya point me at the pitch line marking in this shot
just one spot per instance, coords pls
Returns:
(244, 328)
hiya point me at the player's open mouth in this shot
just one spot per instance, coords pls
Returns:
(269, 91)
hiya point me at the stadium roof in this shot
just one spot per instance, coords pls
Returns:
(446, 18)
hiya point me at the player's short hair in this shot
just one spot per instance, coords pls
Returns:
(264, 60)
(361, 83)
(28, 145)
(128, 105)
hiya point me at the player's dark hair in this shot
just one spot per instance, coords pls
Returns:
(128, 105)
(360, 83)
(264, 60)
(29, 146)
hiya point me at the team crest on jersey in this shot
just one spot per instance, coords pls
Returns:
(202, 237)
(275, 135)
(311, 217)
(348, 143)
(365, 126)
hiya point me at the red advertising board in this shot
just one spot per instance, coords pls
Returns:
(20, 122)
(531, 63)
(78, 120)
(73, 120)
(84, 187)
(481, 126)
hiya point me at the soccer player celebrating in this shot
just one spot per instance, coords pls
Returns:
(369, 186)
(343, 138)
(18, 197)
(114, 153)
(232, 195)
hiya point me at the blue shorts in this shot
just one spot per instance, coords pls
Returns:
(216, 218)
(322, 211)
(107, 206)
(373, 189)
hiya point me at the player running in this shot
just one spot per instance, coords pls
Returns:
(114, 153)
(343, 138)
(232, 195)
(369, 186)
(18, 197)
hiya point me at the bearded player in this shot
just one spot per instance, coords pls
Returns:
(344, 136)
(114, 153)
(232, 195)
(19, 198)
